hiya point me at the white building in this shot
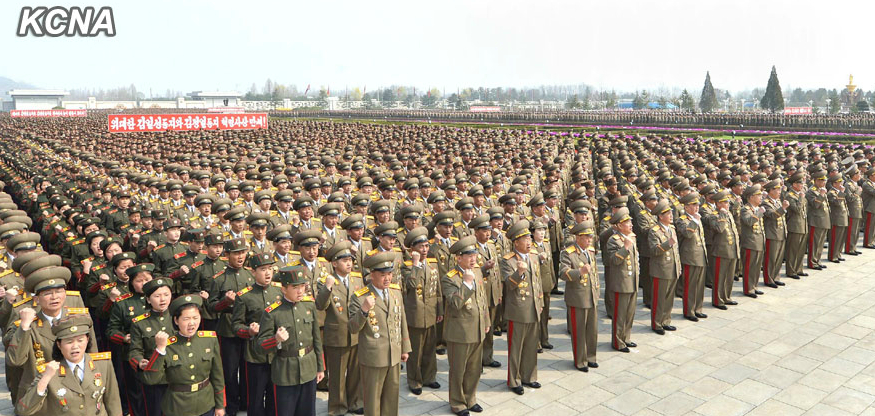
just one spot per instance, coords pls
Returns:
(213, 99)
(37, 99)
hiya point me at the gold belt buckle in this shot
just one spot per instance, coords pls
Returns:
(195, 387)
(302, 352)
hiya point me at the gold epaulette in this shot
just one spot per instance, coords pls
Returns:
(196, 264)
(22, 302)
(509, 256)
(355, 274)
(158, 247)
(273, 306)
(123, 297)
(571, 249)
(98, 356)
(408, 263)
(141, 317)
(307, 298)
(5, 272)
(372, 252)
(394, 286)
(363, 291)
(73, 293)
(453, 272)
(277, 284)
(77, 311)
(108, 286)
(206, 334)
(244, 291)
(430, 260)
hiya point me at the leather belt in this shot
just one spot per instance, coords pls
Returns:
(300, 352)
(189, 387)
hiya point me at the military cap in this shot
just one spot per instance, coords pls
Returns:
(360, 200)
(236, 214)
(751, 191)
(40, 262)
(380, 206)
(436, 196)
(142, 267)
(25, 258)
(619, 201)
(819, 175)
(772, 185)
(507, 199)
(475, 191)
(190, 190)
(203, 199)
(307, 237)
(709, 189)
(108, 241)
(258, 219)
(47, 278)
(184, 300)
(518, 229)
(159, 214)
(537, 199)
(721, 196)
(236, 244)
(151, 286)
(247, 186)
(339, 250)
(173, 223)
(23, 241)
(445, 218)
(212, 239)
(621, 215)
(118, 258)
(411, 183)
(261, 259)
(303, 202)
(197, 235)
(386, 229)
(382, 262)
(262, 195)
(124, 193)
(798, 177)
(836, 178)
(465, 245)
(870, 172)
(72, 325)
(495, 213)
(293, 275)
(285, 195)
(480, 221)
(332, 208)
(411, 211)
(280, 232)
(9, 229)
(416, 236)
(691, 198)
(12, 213)
(353, 221)
(312, 183)
(465, 203)
(583, 228)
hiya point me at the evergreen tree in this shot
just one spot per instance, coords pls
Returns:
(686, 101)
(708, 101)
(773, 100)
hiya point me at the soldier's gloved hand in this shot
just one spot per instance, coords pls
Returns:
(282, 335)
(368, 303)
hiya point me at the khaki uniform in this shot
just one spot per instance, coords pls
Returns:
(776, 236)
(838, 218)
(493, 287)
(753, 240)
(694, 257)
(818, 225)
(193, 370)
(422, 305)
(581, 297)
(621, 278)
(797, 231)
(96, 394)
(523, 308)
(665, 268)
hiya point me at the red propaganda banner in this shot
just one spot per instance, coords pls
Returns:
(797, 110)
(48, 113)
(485, 109)
(125, 123)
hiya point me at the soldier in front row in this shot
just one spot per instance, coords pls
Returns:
(577, 266)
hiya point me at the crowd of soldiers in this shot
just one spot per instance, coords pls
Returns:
(845, 122)
(207, 273)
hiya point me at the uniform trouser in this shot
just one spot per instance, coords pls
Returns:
(465, 368)
(752, 263)
(489, 340)
(127, 381)
(853, 235)
(794, 252)
(344, 387)
(836, 241)
(724, 277)
(439, 333)
(323, 385)
(232, 360)
(381, 389)
(692, 288)
(584, 335)
(646, 283)
(153, 394)
(522, 352)
(709, 266)
(609, 301)
(297, 400)
(663, 301)
(259, 389)
(816, 237)
(772, 260)
(623, 315)
(544, 326)
(13, 375)
(869, 229)
(498, 322)
(422, 364)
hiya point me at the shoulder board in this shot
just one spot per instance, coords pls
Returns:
(171, 340)
(323, 259)
(108, 286)
(617, 237)
(223, 258)
(158, 247)
(179, 255)
(654, 228)
(196, 264)
(221, 272)
(112, 211)
(399, 230)
(509, 256)
(396, 249)
(273, 306)
(77, 311)
(206, 334)
(571, 249)
(277, 284)
(73, 293)
(5, 272)
(307, 298)
(141, 317)
(98, 267)
(431, 260)
(363, 291)
(431, 240)
(372, 252)
(79, 241)
(408, 263)
(355, 274)
(81, 262)
(457, 224)
(684, 216)
(97, 356)
(296, 263)
(123, 227)
(22, 302)
(366, 238)
(316, 219)
(123, 297)
(244, 291)
(193, 219)
(71, 238)
(454, 238)
(453, 272)
(247, 232)
(394, 286)
(490, 242)
(274, 213)
(370, 217)
(17, 323)
(374, 225)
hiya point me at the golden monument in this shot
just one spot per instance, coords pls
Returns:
(851, 91)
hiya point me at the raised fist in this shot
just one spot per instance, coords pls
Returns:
(282, 335)
(184, 269)
(415, 256)
(329, 282)
(161, 340)
(51, 369)
(468, 276)
(231, 295)
(254, 328)
(104, 277)
(27, 315)
(368, 303)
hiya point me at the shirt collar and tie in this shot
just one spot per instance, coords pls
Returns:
(78, 369)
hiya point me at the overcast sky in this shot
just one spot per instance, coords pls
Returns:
(209, 45)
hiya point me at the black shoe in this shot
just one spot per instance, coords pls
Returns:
(518, 390)
(780, 283)
(493, 364)
(610, 317)
(751, 295)
(557, 292)
(496, 333)
(584, 369)
(708, 286)
(463, 413)
(735, 279)
(772, 285)
(547, 346)
(721, 307)
(416, 391)
(592, 365)
(441, 351)
(842, 259)
(669, 328)
(854, 253)
(647, 306)
(433, 385)
(540, 350)
(858, 253)
(731, 302)
(691, 318)
(659, 331)
(701, 315)
(624, 349)
(359, 411)
(631, 344)
(821, 266)
(834, 261)
(534, 385)
(793, 276)
(476, 408)
(758, 292)
(802, 274)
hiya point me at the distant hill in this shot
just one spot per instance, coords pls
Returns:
(7, 84)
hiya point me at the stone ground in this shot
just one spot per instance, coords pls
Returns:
(807, 348)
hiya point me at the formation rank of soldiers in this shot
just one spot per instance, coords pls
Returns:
(252, 272)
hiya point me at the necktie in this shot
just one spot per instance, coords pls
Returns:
(386, 296)
(77, 371)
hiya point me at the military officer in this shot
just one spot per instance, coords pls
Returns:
(691, 230)
(354, 225)
(487, 261)
(854, 201)
(165, 256)
(665, 267)
(818, 219)
(577, 266)
(776, 233)
(622, 278)
(838, 217)
(868, 195)
(753, 236)
(142, 354)
(797, 225)
(725, 250)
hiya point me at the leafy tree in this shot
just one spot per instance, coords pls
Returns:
(708, 100)
(773, 100)
(611, 99)
(639, 101)
(686, 101)
(834, 104)
(573, 102)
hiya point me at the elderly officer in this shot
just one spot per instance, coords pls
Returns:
(694, 256)
(818, 219)
(665, 267)
(797, 225)
(622, 278)
(775, 224)
(377, 315)
(487, 262)
(752, 239)
(577, 266)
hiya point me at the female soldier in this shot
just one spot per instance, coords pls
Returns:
(75, 383)
(142, 353)
(191, 364)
